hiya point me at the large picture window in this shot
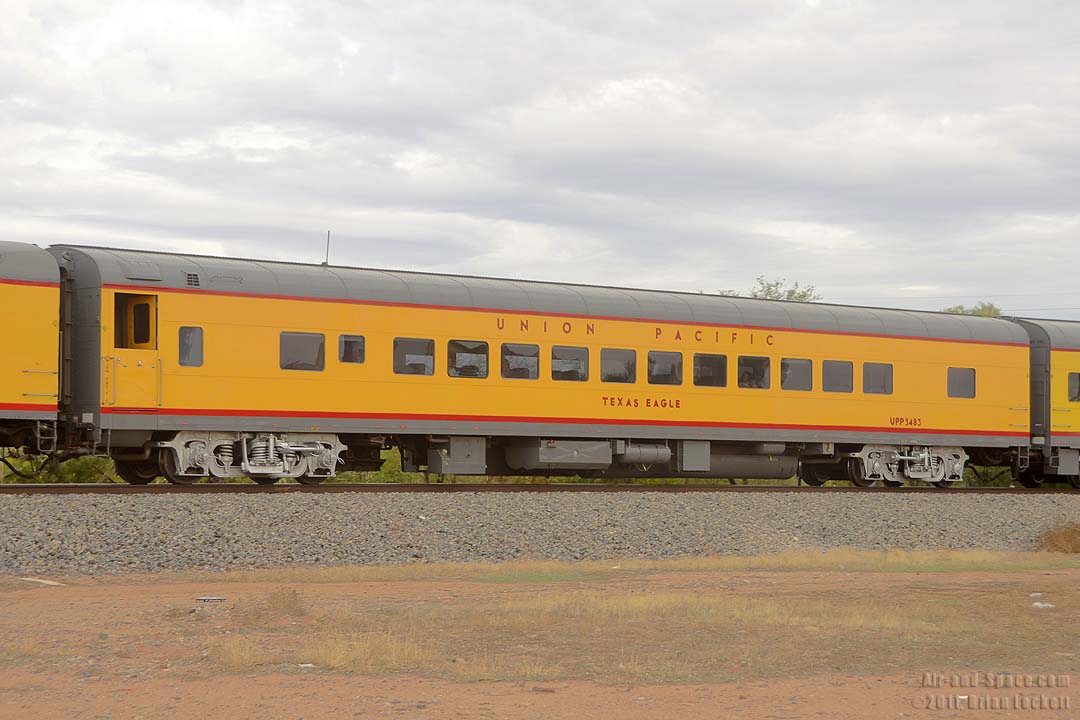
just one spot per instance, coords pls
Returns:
(467, 358)
(520, 361)
(569, 363)
(710, 370)
(303, 351)
(877, 378)
(665, 368)
(961, 382)
(754, 372)
(414, 356)
(796, 374)
(618, 366)
(837, 376)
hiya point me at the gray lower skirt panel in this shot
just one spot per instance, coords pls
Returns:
(26, 415)
(366, 426)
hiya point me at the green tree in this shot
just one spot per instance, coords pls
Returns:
(983, 308)
(779, 289)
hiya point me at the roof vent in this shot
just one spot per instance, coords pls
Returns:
(192, 279)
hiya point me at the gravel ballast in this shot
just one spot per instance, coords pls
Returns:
(74, 534)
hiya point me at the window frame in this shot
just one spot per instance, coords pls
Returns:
(825, 380)
(201, 345)
(453, 371)
(891, 379)
(949, 383)
(1072, 387)
(401, 369)
(784, 361)
(631, 378)
(504, 367)
(722, 375)
(584, 350)
(320, 354)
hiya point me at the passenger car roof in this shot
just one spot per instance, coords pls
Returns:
(27, 263)
(196, 273)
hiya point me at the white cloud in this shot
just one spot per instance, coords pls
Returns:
(884, 152)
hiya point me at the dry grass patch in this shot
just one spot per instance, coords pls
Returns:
(375, 652)
(545, 571)
(238, 653)
(1065, 539)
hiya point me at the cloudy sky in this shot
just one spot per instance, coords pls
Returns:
(912, 154)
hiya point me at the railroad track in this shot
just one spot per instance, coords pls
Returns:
(122, 489)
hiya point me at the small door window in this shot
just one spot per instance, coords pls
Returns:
(1074, 387)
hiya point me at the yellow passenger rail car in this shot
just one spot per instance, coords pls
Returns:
(29, 358)
(220, 367)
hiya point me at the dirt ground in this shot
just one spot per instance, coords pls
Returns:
(550, 640)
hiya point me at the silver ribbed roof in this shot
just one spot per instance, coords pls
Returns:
(260, 277)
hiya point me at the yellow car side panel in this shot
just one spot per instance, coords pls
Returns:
(241, 373)
(28, 362)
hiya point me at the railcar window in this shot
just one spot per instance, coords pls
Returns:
(569, 363)
(710, 370)
(665, 368)
(413, 356)
(962, 382)
(467, 358)
(877, 378)
(754, 372)
(618, 366)
(1074, 387)
(520, 361)
(191, 346)
(303, 351)
(351, 348)
(837, 376)
(796, 374)
(140, 323)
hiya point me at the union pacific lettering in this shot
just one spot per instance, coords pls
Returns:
(677, 334)
(564, 327)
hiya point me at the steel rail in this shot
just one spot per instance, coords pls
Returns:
(225, 488)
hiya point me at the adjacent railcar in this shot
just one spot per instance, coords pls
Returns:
(1055, 402)
(29, 361)
(196, 366)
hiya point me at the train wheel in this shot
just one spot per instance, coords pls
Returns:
(263, 480)
(309, 479)
(1029, 479)
(139, 472)
(1074, 480)
(943, 484)
(809, 475)
(855, 474)
(170, 470)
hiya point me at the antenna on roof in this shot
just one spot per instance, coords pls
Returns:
(327, 260)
